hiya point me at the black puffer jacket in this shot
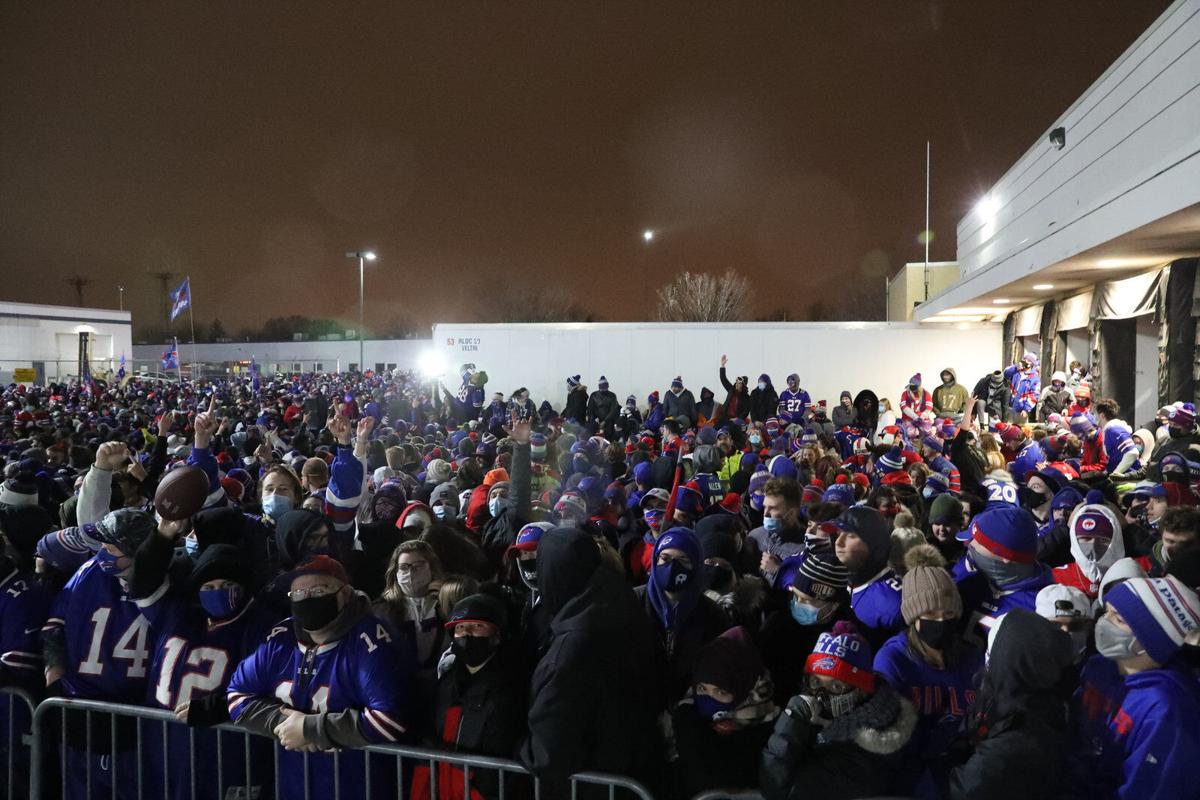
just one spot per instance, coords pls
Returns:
(594, 701)
(855, 757)
(763, 403)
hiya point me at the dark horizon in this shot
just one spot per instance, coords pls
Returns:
(484, 149)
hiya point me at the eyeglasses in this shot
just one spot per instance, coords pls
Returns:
(314, 591)
(406, 569)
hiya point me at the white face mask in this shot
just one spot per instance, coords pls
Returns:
(762, 385)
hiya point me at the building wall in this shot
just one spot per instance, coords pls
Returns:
(907, 288)
(46, 338)
(1132, 156)
(285, 356)
(638, 358)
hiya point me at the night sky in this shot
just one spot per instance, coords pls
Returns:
(479, 146)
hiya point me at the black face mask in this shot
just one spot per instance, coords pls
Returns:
(1029, 498)
(720, 577)
(473, 650)
(314, 613)
(529, 573)
(937, 633)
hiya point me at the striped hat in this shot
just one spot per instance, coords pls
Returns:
(1159, 611)
(572, 381)
(1081, 424)
(1183, 416)
(892, 460)
(1010, 533)
(843, 654)
(819, 575)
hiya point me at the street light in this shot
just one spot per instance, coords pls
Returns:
(361, 255)
(121, 297)
(647, 236)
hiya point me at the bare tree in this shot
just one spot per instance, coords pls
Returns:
(701, 297)
(535, 304)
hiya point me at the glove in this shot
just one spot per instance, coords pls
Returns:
(807, 708)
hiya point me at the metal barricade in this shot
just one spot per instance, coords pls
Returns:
(16, 737)
(716, 794)
(112, 750)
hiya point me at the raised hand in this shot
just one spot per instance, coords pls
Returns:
(111, 455)
(365, 426)
(519, 430)
(339, 426)
(724, 361)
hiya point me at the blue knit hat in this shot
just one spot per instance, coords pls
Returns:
(1159, 611)
(1009, 533)
(688, 499)
(1081, 425)
(808, 438)
(707, 435)
(677, 383)
(892, 460)
(783, 467)
(843, 654)
(932, 442)
(937, 483)
(572, 381)
(842, 493)
(643, 472)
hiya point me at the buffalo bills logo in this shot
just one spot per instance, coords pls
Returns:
(681, 579)
(1087, 524)
(825, 664)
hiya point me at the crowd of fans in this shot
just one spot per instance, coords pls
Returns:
(966, 594)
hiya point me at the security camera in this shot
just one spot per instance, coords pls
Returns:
(1058, 138)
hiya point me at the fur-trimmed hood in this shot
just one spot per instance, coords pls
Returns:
(882, 725)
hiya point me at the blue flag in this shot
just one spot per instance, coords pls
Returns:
(121, 368)
(254, 376)
(170, 358)
(181, 298)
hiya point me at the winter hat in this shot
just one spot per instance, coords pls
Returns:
(810, 494)
(945, 509)
(843, 654)
(841, 492)
(1060, 600)
(819, 575)
(570, 506)
(688, 499)
(233, 488)
(1010, 533)
(772, 426)
(809, 437)
(437, 472)
(937, 484)
(1012, 434)
(707, 435)
(891, 461)
(677, 382)
(915, 380)
(731, 662)
(493, 477)
(223, 561)
(1159, 611)
(661, 495)
(602, 384)
(652, 398)
(749, 460)
(66, 550)
(572, 381)
(844, 395)
(758, 482)
(643, 473)
(1081, 425)
(1183, 417)
(783, 467)
(19, 491)
(126, 528)
(1121, 571)
(528, 538)
(927, 589)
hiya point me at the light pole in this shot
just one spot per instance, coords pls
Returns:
(362, 256)
(121, 297)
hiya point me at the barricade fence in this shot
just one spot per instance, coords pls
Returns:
(86, 749)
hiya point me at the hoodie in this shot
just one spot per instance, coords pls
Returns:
(950, 400)
(764, 400)
(1086, 573)
(874, 587)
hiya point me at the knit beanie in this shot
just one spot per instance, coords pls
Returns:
(946, 508)
(1009, 533)
(602, 384)
(1159, 611)
(819, 575)
(841, 492)
(926, 590)
(937, 484)
(19, 491)
(892, 460)
(730, 662)
(843, 654)
(437, 472)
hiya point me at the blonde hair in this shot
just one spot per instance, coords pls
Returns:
(990, 446)
(455, 588)
(391, 586)
(394, 456)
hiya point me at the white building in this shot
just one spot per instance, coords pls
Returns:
(328, 356)
(1087, 247)
(40, 342)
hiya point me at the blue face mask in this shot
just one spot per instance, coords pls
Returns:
(756, 439)
(221, 603)
(772, 525)
(107, 562)
(673, 576)
(803, 613)
(494, 506)
(653, 517)
(276, 505)
(756, 501)
(708, 707)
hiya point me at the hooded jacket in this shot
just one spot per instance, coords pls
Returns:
(1020, 719)
(737, 404)
(1085, 573)
(866, 412)
(950, 400)
(763, 402)
(594, 694)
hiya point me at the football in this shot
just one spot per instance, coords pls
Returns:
(181, 493)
